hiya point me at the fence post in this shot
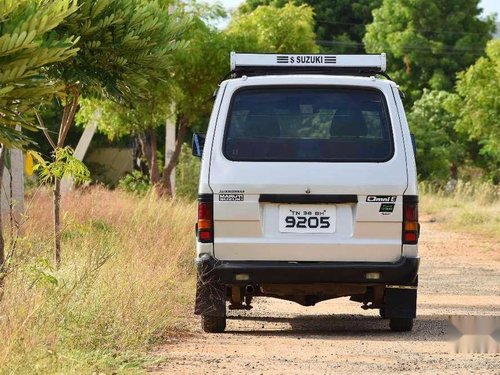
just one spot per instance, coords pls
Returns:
(13, 183)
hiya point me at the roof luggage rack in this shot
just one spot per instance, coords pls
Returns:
(251, 64)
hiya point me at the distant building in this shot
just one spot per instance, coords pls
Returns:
(109, 164)
(496, 34)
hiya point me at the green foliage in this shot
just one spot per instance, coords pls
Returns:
(195, 72)
(124, 45)
(187, 174)
(117, 120)
(440, 150)
(199, 68)
(427, 42)
(28, 45)
(478, 108)
(340, 25)
(270, 29)
(135, 182)
(42, 274)
(64, 164)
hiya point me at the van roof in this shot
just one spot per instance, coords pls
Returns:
(257, 64)
(314, 79)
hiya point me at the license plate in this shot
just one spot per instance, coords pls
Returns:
(306, 218)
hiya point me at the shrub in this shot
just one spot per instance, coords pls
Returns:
(135, 182)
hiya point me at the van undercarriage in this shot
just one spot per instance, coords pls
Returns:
(389, 287)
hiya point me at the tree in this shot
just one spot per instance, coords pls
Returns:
(27, 48)
(123, 46)
(270, 29)
(427, 42)
(340, 25)
(196, 71)
(478, 108)
(140, 119)
(440, 149)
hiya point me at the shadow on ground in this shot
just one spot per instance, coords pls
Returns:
(343, 326)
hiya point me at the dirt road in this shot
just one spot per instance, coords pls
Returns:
(460, 274)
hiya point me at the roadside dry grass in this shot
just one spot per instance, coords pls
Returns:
(470, 208)
(126, 284)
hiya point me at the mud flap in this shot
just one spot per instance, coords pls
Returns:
(210, 293)
(400, 302)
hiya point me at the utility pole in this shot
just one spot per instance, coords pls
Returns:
(170, 146)
(13, 183)
(82, 147)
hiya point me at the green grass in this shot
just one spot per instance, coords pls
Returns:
(126, 285)
(470, 208)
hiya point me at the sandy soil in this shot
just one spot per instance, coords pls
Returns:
(460, 274)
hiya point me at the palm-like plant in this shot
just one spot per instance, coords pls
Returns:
(28, 45)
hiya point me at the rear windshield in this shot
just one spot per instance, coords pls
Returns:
(308, 124)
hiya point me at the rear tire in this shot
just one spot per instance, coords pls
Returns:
(213, 324)
(401, 324)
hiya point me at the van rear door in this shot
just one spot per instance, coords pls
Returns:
(308, 172)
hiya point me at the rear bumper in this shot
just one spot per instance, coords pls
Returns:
(402, 272)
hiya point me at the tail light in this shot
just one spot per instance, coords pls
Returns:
(411, 227)
(204, 227)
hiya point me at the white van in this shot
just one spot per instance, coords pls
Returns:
(308, 188)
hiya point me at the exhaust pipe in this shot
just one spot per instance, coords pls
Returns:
(249, 289)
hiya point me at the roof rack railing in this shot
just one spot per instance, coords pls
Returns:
(263, 64)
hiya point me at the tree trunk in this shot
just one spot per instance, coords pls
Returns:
(57, 222)
(2, 242)
(454, 171)
(154, 172)
(145, 150)
(67, 119)
(165, 187)
(149, 146)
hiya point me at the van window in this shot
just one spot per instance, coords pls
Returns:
(308, 124)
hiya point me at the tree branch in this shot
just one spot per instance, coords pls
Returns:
(68, 118)
(44, 129)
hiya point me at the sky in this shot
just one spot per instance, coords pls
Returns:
(489, 6)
